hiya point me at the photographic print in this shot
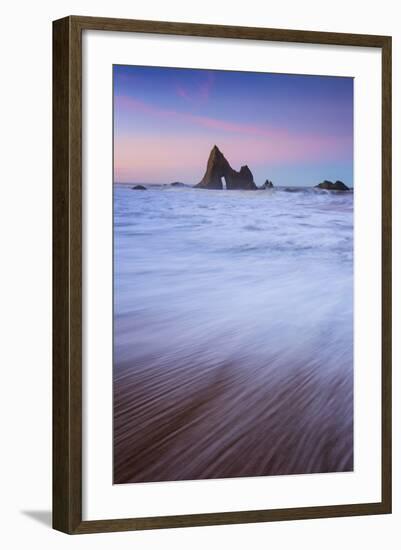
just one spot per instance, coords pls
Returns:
(221, 296)
(233, 274)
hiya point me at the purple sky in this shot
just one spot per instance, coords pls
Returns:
(292, 129)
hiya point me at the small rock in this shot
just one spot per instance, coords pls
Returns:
(267, 185)
(330, 186)
(139, 188)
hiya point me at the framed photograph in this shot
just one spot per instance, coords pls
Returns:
(222, 274)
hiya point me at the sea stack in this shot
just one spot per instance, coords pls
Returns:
(267, 185)
(330, 186)
(218, 168)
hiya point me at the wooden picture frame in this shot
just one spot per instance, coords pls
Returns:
(67, 274)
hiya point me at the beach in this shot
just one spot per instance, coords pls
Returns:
(233, 333)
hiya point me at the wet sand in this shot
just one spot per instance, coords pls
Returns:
(172, 422)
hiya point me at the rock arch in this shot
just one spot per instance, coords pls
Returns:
(219, 167)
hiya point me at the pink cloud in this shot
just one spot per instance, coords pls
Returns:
(182, 92)
(147, 158)
(199, 94)
(277, 138)
(130, 103)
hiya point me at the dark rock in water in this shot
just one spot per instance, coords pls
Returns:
(267, 185)
(330, 186)
(293, 189)
(218, 168)
(139, 188)
(177, 184)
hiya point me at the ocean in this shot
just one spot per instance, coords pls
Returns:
(233, 333)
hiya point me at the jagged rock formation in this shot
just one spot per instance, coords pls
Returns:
(267, 185)
(330, 186)
(218, 167)
(139, 188)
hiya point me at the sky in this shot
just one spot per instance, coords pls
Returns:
(291, 129)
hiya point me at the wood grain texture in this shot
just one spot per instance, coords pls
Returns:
(386, 275)
(67, 274)
(67, 277)
(227, 31)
